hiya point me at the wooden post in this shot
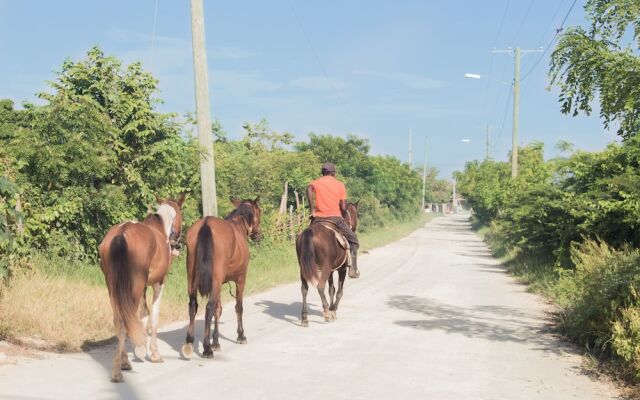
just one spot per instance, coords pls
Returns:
(207, 165)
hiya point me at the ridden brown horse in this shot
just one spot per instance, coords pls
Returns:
(218, 252)
(134, 255)
(319, 255)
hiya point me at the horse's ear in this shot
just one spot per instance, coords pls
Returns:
(235, 201)
(357, 203)
(159, 199)
(257, 200)
(181, 199)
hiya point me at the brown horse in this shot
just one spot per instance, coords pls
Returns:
(135, 255)
(218, 252)
(319, 255)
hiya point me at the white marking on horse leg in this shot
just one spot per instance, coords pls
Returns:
(155, 317)
(116, 373)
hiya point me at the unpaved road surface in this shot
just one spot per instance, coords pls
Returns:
(433, 316)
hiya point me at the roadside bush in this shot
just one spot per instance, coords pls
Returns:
(603, 310)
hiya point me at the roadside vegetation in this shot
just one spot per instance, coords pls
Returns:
(95, 152)
(569, 226)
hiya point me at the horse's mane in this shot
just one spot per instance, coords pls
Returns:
(153, 217)
(245, 210)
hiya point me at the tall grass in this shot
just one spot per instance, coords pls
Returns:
(66, 304)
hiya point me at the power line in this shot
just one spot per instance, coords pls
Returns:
(551, 42)
(485, 111)
(315, 54)
(555, 14)
(504, 117)
(153, 34)
(524, 19)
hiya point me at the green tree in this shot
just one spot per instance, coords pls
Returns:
(601, 64)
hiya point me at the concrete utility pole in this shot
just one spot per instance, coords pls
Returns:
(454, 196)
(207, 165)
(410, 148)
(424, 173)
(516, 104)
(486, 157)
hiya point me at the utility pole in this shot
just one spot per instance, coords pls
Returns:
(486, 157)
(207, 165)
(454, 196)
(424, 173)
(410, 148)
(516, 104)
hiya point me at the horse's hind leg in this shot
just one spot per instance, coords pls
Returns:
(155, 316)
(325, 304)
(305, 311)
(144, 311)
(187, 348)
(116, 372)
(242, 339)
(218, 312)
(342, 274)
(206, 340)
(332, 291)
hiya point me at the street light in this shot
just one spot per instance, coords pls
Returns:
(516, 93)
(478, 76)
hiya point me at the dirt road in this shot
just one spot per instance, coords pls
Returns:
(433, 316)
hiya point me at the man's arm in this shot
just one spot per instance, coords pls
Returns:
(343, 208)
(311, 196)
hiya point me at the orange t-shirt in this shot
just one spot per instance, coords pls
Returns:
(329, 191)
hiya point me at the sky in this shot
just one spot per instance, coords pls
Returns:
(373, 68)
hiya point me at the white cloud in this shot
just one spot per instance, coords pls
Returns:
(411, 81)
(241, 83)
(317, 83)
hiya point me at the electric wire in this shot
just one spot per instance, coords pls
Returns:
(484, 112)
(315, 54)
(504, 118)
(546, 49)
(524, 19)
(153, 35)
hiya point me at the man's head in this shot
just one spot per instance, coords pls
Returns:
(328, 169)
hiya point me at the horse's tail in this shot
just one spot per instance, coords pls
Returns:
(126, 307)
(307, 257)
(204, 259)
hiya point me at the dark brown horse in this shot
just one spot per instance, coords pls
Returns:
(319, 255)
(134, 255)
(218, 252)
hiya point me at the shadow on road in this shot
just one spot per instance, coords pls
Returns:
(496, 323)
(103, 356)
(287, 312)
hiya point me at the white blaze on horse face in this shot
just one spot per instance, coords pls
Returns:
(168, 214)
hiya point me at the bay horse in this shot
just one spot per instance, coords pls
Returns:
(217, 253)
(134, 255)
(319, 255)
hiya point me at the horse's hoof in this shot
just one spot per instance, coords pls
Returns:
(304, 324)
(187, 350)
(354, 274)
(125, 366)
(117, 377)
(140, 352)
(216, 347)
(241, 340)
(207, 353)
(327, 316)
(155, 358)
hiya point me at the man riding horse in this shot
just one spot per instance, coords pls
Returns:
(328, 201)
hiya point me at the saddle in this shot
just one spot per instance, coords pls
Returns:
(340, 238)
